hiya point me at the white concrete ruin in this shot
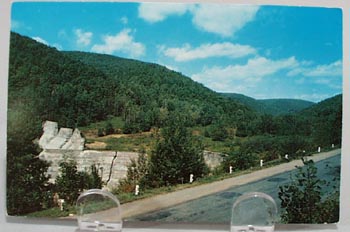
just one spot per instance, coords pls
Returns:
(64, 145)
(64, 138)
(112, 166)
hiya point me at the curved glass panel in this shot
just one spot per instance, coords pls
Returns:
(253, 211)
(98, 210)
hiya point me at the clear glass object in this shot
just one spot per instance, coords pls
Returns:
(98, 210)
(254, 212)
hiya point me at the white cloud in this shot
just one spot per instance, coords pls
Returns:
(314, 97)
(223, 78)
(222, 19)
(83, 38)
(40, 40)
(58, 46)
(326, 74)
(124, 20)
(156, 12)
(333, 69)
(121, 42)
(186, 52)
(15, 24)
(325, 70)
(170, 67)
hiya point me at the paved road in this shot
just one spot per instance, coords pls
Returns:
(170, 199)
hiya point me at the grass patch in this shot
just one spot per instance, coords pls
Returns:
(117, 123)
(53, 212)
(134, 142)
(145, 140)
(56, 212)
(217, 146)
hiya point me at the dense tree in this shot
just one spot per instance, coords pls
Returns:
(267, 124)
(27, 184)
(218, 132)
(325, 119)
(94, 180)
(240, 161)
(164, 92)
(271, 106)
(177, 154)
(302, 199)
(109, 128)
(137, 170)
(71, 183)
(60, 88)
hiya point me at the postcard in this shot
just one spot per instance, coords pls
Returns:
(177, 109)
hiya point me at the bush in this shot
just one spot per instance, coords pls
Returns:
(136, 172)
(100, 132)
(240, 161)
(176, 155)
(71, 183)
(302, 199)
(109, 128)
(130, 128)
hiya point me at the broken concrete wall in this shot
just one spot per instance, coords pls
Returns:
(75, 142)
(63, 145)
(112, 166)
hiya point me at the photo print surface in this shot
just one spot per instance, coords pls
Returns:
(176, 109)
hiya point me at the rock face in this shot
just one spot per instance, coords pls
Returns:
(50, 130)
(64, 145)
(53, 139)
(75, 142)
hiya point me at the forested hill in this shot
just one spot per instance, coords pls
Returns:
(76, 88)
(271, 106)
(46, 83)
(152, 90)
(327, 119)
(332, 104)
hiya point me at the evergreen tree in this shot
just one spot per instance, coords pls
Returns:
(302, 199)
(177, 154)
(240, 161)
(109, 128)
(27, 183)
(95, 180)
(71, 183)
(137, 170)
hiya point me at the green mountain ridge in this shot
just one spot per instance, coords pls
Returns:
(148, 85)
(271, 106)
(79, 88)
(76, 88)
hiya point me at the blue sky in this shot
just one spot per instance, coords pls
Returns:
(260, 51)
